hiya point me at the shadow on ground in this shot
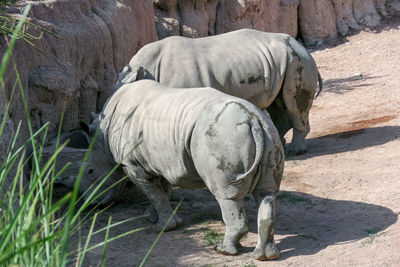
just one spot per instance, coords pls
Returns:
(307, 223)
(314, 223)
(349, 141)
(341, 86)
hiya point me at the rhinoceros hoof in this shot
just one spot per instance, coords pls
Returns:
(270, 252)
(174, 222)
(228, 250)
(151, 214)
(293, 150)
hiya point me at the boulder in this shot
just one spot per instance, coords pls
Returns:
(261, 15)
(202, 18)
(77, 71)
(365, 12)
(288, 18)
(380, 6)
(344, 16)
(317, 20)
(190, 18)
(394, 6)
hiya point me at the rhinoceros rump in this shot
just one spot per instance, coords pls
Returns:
(192, 138)
(271, 70)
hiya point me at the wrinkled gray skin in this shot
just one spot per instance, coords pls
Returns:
(271, 70)
(192, 138)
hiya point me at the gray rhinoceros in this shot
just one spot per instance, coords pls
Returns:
(191, 138)
(271, 70)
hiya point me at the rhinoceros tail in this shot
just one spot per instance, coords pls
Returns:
(320, 85)
(258, 137)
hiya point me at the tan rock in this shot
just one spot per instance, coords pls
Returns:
(317, 20)
(255, 14)
(380, 6)
(394, 5)
(167, 18)
(344, 16)
(365, 12)
(288, 18)
(198, 17)
(190, 18)
(78, 71)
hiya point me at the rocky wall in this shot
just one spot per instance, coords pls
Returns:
(78, 70)
(312, 20)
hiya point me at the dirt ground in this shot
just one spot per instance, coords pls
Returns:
(339, 203)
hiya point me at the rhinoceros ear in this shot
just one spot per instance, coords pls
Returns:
(136, 75)
(93, 115)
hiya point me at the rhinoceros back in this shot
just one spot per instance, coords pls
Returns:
(163, 119)
(247, 64)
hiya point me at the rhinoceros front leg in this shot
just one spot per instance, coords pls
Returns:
(154, 190)
(266, 248)
(235, 220)
(151, 212)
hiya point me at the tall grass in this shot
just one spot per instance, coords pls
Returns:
(8, 24)
(35, 229)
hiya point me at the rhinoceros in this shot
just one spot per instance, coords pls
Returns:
(192, 138)
(271, 70)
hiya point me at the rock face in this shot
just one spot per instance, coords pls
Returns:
(317, 20)
(191, 18)
(365, 12)
(344, 16)
(200, 18)
(77, 72)
(313, 20)
(261, 15)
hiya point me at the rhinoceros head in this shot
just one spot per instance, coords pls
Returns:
(98, 168)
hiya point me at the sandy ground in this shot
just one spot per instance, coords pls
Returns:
(339, 204)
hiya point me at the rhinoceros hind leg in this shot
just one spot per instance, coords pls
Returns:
(155, 191)
(151, 214)
(266, 248)
(235, 220)
(297, 146)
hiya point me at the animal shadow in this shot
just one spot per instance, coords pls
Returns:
(310, 223)
(349, 141)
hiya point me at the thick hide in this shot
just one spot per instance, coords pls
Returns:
(263, 68)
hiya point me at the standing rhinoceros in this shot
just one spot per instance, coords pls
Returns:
(263, 68)
(191, 138)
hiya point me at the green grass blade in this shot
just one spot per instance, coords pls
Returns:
(5, 258)
(160, 234)
(7, 55)
(88, 238)
(34, 183)
(6, 112)
(103, 260)
(116, 237)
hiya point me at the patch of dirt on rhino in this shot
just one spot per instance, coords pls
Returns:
(339, 203)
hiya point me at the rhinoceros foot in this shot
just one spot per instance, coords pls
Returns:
(228, 249)
(151, 214)
(295, 149)
(269, 252)
(174, 222)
